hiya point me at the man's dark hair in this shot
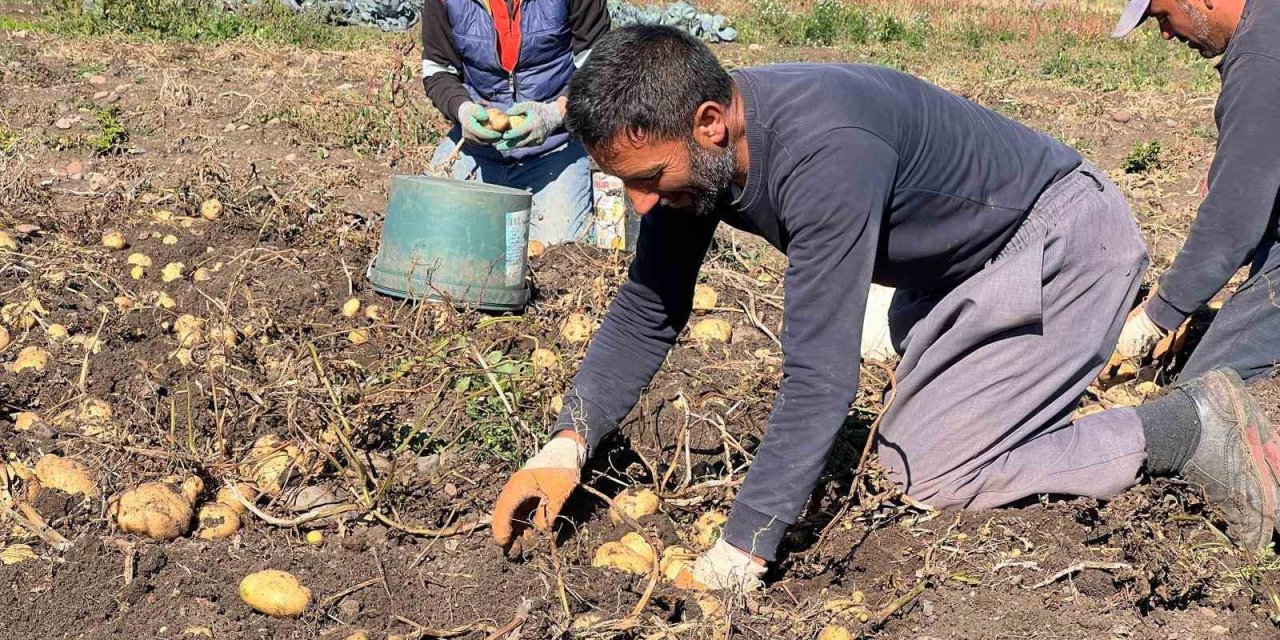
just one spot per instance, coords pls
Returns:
(645, 80)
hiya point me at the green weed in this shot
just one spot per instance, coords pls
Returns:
(111, 132)
(1143, 157)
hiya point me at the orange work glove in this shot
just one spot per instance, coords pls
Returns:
(536, 493)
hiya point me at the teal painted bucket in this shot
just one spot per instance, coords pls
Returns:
(449, 240)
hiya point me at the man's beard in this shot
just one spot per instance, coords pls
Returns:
(1211, 45)
(711, 172)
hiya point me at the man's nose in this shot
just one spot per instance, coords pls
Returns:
(642, 201)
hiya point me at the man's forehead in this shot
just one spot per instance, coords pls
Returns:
(628, 152)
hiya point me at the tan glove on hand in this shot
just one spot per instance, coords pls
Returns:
(724, 567)
(536, 493)
(1139, 336)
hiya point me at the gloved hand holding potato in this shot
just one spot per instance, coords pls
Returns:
(536, 493)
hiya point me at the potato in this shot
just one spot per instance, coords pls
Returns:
(639, 546)
(158, 510)
(314, 538)
(201, 274)
(544, 359)
(172, 271)
(635, 504)
(275, 593)
(616, 556)
(139, 260)
(704, 298)
(358, 336)
(114, 240)
(56, 332)
(675, 559)
(169, 239)
(577, 328)
(94, 410)
(270, 462)
(515, 122)
(24, 420)
(498, 119)
(712, 330)
(556, 404)
(375, 312)
(33, 358)
(350, 308)
(136, 272)
(4, 338)
(706, 529)
(834, 632)
(227, 495)
(14, 554)
(586, 621)
(536, 248)
(65, 475)
(189, 330)
(7, 241)
(211, 209)
(217, 521)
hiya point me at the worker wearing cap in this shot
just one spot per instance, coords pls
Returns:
(516, 56)
(1015, 263)
(1237, 221)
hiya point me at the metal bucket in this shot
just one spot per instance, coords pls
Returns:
(450, 240)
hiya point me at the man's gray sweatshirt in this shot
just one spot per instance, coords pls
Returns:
(858, 174)
(1241, 208)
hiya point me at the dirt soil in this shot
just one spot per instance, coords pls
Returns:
(421, 412)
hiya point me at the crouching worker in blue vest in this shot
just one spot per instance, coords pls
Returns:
(515, 56)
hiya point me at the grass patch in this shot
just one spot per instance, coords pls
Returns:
(111, 132)
(1143, 157)
(200, 21)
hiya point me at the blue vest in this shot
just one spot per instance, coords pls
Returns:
(543, 66)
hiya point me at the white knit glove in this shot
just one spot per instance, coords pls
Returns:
(726, 568)
(1139, 336)
(559, 453)
(475, 124)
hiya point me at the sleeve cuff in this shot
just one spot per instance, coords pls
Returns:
(1164, 314)
(585, 418)
(757, 533)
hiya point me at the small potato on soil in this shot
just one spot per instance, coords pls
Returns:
(7, 241)
(227, 495)
(33, 358)
(544, 359)
(158, 510)
(350, 308)
(536, 248)
(834, 632)
(66, 475)
(712, 330)
(211, 209)
(24, 420)
(14, 554)
(271, 461)
(217, 521)
(4, 338)
(706, 529)
(577, 328)
(636, 504)
(114, 240)
(358, 336)
(639, 546)
(275, 593)
(172, 271)
(616, 556)
(139, 260)
(704, 298)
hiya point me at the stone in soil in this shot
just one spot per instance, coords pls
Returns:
(96, 80)
(1121, 116)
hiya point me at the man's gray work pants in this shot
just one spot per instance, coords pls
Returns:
(993, 368)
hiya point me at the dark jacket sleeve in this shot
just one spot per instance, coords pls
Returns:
(1243, 185)
(833, 216)
(643, 322)
(588, 20)
(441, 63)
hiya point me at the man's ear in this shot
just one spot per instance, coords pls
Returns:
(710, 128)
